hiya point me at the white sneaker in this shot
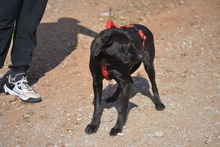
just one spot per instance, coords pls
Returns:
(18, 86)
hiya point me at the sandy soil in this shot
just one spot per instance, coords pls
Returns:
(187, 38)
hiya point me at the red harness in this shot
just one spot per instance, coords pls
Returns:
(111, 24)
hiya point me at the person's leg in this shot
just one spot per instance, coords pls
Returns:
(25, 40)
(23, 45)
(8, 12)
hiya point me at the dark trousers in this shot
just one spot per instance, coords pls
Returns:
(20, 18)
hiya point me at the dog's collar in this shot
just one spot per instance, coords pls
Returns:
(111, 24)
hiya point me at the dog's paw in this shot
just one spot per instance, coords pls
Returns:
(115, 131)
(160, 107)
(91, 129)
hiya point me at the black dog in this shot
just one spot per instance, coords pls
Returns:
(120, 51)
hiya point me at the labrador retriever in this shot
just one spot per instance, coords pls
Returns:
(115, 54)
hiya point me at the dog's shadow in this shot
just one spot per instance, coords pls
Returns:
(140, 85)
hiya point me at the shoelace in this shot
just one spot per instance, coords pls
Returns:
(23, 84)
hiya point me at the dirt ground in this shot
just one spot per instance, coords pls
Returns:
(187, 39)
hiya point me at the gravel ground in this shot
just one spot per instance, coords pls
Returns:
(187, 39)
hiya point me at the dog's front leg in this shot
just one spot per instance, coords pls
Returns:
(122, 103)
(114, 96)
(98, 108)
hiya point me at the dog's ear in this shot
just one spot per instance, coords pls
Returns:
(102, 41)
(106, 41)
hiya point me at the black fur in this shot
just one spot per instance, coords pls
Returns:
(121, 51)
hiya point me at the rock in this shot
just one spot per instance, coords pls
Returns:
(120, 134)
(104, 14)
(207, 141)
(49, 145)
(158, 134)
(121, 18)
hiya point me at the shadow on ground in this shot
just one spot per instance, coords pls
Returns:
(140, 85)
(56, 41)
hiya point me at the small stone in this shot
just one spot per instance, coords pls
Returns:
(69, 129)
(78, 118)
(158, 134)
(216, 75)
(181, 2)
(49, 145)
(207, 141)
(104, 14)
(120, 134)
(121, 18)
(43, 105)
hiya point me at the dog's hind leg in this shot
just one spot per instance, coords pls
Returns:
(98, 108)
(149, 68)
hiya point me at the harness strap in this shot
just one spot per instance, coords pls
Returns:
(141, 34)
(105, 72)
(111, 24)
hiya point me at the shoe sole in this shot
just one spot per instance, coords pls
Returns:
(29, 100)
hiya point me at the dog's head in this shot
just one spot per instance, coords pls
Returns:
(113, 45)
